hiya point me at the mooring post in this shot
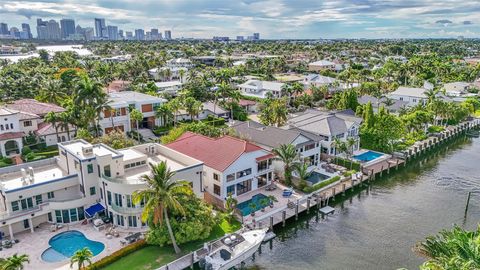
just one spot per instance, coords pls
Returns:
(296, 211)
(271, 223)
(284, 215)
(308, 205)
(388, 170)
(260, 249)
(343, 188)
(353, 184)
(192, 260)
(468, 202)
(333, 193)
(381, 171)
(166, 266)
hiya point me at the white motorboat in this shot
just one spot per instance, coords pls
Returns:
(232, 250)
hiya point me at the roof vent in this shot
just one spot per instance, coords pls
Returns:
(87, 150)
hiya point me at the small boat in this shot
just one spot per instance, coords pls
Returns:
(232, 250)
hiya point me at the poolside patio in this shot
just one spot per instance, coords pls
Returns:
(282, 201)
(34, 244)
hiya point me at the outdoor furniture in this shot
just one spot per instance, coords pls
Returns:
(287, 192)
(271, 187)
(133, 237)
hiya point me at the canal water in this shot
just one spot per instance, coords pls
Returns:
(376, 227)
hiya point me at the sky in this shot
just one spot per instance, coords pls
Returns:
(273, 19)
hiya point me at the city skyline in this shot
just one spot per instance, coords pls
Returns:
(276, 19)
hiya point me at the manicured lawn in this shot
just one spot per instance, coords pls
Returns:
(151, 257)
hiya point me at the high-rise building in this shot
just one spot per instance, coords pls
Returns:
(240, 38)
(128, 35)
(139, 34)
(89, 35)
(68, 27)
(256, 36)
(168, 34)
(42, 31)
(26, 28)
(53, 30)
(155, 35)
(14, 32)
(4, 29)
(120, 34)
(100, 29)
(112, 32)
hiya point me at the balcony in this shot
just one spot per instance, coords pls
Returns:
(123, 180)
(126, 210)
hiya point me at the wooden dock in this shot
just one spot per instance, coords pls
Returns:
(319, 200)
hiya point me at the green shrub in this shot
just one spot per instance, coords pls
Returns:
(117, 255)
(435, 129)
(321, 184)
(26, 150)
(347, 163)
(4, 162)
(48, 154)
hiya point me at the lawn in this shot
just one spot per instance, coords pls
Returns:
(151, 257)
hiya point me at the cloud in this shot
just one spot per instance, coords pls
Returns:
(467, 22)
(444, 22)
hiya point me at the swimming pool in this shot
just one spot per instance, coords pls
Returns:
(244, 207)
(316, 177)
(367, 156)
(65, 244)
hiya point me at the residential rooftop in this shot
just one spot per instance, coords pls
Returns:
(33, 106)
(410, 92)
(77, 147)
(129, 97)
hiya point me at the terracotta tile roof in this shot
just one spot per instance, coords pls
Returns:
(265, 157)
(216, 153)
(48, 129)
(245, 102)
(34, 107)
(11, 135)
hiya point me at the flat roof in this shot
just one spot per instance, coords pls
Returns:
(42, 174)
(133, 175)
(76, 148)
(127, 97)
(131, 154)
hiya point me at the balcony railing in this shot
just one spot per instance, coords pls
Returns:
(123, 180)
(126, 210)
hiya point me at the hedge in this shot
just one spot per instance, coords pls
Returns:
(346, 163)
(115, 256)
(322, 184)
(48, 154)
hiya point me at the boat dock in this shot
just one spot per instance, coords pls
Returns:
(319, 200)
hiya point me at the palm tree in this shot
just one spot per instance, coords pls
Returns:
(302, 171)
(136, 115)
(80, 257)
(163, 112)
(65, 118)
(455, 249)
(15, 262)
(230, 206)
(287, 153)
(175, 105)
(161, 197)
(52, 118)
(51, 92)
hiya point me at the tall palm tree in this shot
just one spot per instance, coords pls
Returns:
(136, 115)
(192, 106)
(52, 118)
(15, 262)
(302, 171)
(51, 91)
(161, 197)
(80, 257)
(65, 118)
(287, 153)
(230, 206)
(175, 105)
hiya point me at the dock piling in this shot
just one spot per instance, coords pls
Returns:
(284, 214)
(468, 202)
(296, 211)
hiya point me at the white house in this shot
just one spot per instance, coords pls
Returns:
(25, 117)
(180, 63)
(84, 180)
(169, 73)
(260, 89)
(456, 89)
(333, 84)
(208, 108)
(231, 165)
(169, 87)
(412, 95)
(322, 65)
(122, 103)
(328, 126)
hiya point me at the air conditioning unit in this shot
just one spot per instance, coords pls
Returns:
(87, 150)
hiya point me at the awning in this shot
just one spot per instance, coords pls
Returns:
(92, 210)
(262, 158)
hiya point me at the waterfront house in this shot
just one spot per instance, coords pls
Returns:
(267, 137)
(261, 89)
(456, 89)
(61, 190)
(327, 125)
(169, 87)
(122, 103)
(231, 165)
(321, 66)
(395, 106)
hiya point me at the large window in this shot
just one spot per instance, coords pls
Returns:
(230, 177)
(58, 216)
(216, 177)
(15, 206)
(73, 215)
(109, 197)
(106, 171)
(92, 191)
(244, 187)
(231, 190)
(129, 201)
(216, 189)
(90, 168)
(132, 221)
(50, 195)
(244, 173)
(309, 146)
(264, 165)
(81, 213)
(118, 199)
(38, 199)
(27, 123)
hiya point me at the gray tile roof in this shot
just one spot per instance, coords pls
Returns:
(266, 136)
(324, 123)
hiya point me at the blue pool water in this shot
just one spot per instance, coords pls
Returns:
(65, 244)
(245, 208)
(367, 156)
(316, 177)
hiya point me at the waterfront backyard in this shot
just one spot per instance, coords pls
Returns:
(376, 227)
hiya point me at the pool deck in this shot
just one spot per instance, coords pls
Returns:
(34, 244)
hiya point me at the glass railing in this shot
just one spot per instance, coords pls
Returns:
(126, 210)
